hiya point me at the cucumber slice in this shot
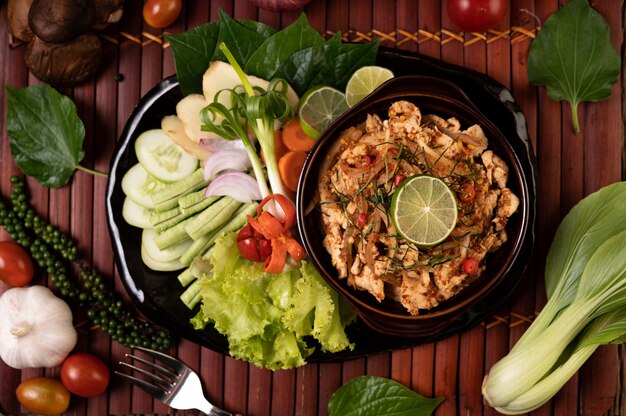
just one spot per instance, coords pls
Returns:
(135, 214)
(139, 186)
(160, 266)
(164, 256)
(162, 158)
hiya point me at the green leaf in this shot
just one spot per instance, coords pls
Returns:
(243, 37)
(268, 58)
(192, 51)
(605, 329)
(589, 224)
(373, 396)
(573, 57)
(331, 63)
(45, 134)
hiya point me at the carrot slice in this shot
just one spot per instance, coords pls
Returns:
(294, 137)
(289, 168)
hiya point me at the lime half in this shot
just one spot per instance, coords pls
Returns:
(365, 80)
(319, 107)
(423, 210)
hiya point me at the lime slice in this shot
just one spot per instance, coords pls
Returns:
(423, 209)
(365, 80)
(319, 107)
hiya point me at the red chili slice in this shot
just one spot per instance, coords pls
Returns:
(470, 266)
(285, 205)
(398, 179)
(360, 222)
(277, 237)
(466, 192)
(276, 261)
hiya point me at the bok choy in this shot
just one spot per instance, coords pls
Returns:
(586, 287)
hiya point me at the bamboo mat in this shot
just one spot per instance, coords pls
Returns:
(570, 167)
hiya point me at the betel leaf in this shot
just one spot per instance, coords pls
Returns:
(45, 134)
(243, 37)
(331, 63)
(192, 52)
(373, 396)
(297, 53)
(573, 57)
(268, 58)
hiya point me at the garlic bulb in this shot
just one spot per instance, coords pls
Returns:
(36, 328)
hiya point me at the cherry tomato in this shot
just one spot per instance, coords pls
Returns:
(16, 266)
(470, 266)
(477, 15)
(466, 192)
(161, 13)
(85, 375)
(252, 245)
(43, 395)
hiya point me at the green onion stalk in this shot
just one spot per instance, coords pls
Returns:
(586, 286)
(258, 109)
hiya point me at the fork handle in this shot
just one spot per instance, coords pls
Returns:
(210, 410)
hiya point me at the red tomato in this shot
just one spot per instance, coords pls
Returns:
(470, 266)
(16, 266)
(161, 13)
(252, 246)
(43, 395)
(477, 15)
(466, 192)
(85, 375)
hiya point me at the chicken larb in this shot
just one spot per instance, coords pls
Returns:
(355, 194)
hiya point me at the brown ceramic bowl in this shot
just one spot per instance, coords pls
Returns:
(503, 268)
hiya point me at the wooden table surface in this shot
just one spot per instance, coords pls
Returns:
(570, 167)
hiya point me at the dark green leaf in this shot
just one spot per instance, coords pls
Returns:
(573, 56)
(374, 396)
(243, 37)
(268, 58)
(192, 52)
(45, 134)
(331, 63)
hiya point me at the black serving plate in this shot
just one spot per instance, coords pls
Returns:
(156, 294)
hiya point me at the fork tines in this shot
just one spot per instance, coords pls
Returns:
(162, 380)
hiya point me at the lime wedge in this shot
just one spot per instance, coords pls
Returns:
(365, 80)
(319, 107)
(423, 210)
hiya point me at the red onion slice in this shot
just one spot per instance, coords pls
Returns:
(238, 185)
(215, 145)
(226, 160)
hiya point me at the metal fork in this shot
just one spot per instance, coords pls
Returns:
(172, 382)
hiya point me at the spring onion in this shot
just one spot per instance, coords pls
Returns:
(586, 287)
(259, 109)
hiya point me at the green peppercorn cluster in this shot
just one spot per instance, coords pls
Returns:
(57, 254)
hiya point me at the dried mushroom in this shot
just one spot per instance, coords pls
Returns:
(63, 48)
(17, 15)
(58, 21)
(66, 63)
(106, 12)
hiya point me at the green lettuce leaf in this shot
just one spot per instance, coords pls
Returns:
(373, 396)
(573, 57)
(258, 312)
(45, 134)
